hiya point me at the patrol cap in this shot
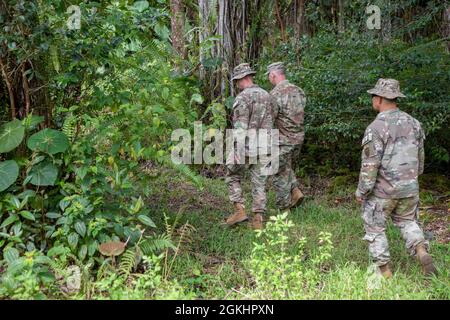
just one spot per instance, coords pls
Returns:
(387, 88)
(242, 71)
(275, 66)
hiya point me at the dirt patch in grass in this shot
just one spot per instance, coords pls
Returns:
(218, 171)
(437, 182)
(186, 197)
(210, 262)
(437, 221)
(314, 186)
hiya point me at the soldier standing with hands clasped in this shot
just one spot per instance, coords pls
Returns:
(392, 159)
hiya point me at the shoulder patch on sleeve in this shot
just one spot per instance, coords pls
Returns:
(238, 101)
(421, 131)
(367, 138)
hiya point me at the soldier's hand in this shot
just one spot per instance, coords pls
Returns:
(359, 199)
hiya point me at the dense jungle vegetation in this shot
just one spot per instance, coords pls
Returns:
(91, 91)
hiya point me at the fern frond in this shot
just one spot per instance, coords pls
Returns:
(156, 244)
(186, 171)
(184, 234)
(167, 224)
(157, 48)
(70, 127)
(116, 120)
(58, 267)
(102, 270)
(127, 262)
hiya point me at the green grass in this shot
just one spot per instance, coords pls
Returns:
(213, 263)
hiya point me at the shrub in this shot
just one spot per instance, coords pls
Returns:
(149, 284)
(282, 269)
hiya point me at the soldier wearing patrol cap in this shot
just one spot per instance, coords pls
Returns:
(392, 159)
(252, 109)
(291, 102)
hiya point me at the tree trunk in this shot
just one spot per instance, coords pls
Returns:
(386, 20)
(446, 26)
(177, 25)
(24, 95)
(225, 48)
(300, 26)
(204, 10)
(8, 81)
(239, 26)
(280, 20)
(341, 11)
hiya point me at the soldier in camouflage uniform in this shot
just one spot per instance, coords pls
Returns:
(252, 109)
(392, 160)
(291, 102)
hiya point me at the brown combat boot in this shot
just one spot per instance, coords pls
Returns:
(296, 197)
(257, 222)
(425, 260)
(386, 271)
(238, 216)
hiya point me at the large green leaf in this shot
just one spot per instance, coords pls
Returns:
(27, 215)
(31, 121)
(72, 239)
(56, 251)
(141, 6)
(9, 171)
(80, 227)
(11, 255)
(44, 174)
(82, 252)
(11, 135)
(11, 219)
(49, 141)
(147, 221)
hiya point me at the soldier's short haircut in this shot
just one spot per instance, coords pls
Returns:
(390, 100)
(279, 71)
(386, 99)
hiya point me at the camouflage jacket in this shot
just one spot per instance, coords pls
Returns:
(253, 108)
(392, 157)
(291, 102)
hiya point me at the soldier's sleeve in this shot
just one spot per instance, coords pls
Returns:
(301, 98)
(373, 148)
(241, 114)
(275, 107)
(275, 94)
(301, 102)
(421, 151)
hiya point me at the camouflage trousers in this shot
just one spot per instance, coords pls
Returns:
(284, 180)
(404, 214)
(235, 174)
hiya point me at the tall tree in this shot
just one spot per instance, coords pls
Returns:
(225, 49)
(300, 25)
(177, 25)
(386, 20)
(22, 64)
(204, 15)
(446, 26)
(280, 20)
(341, 14)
